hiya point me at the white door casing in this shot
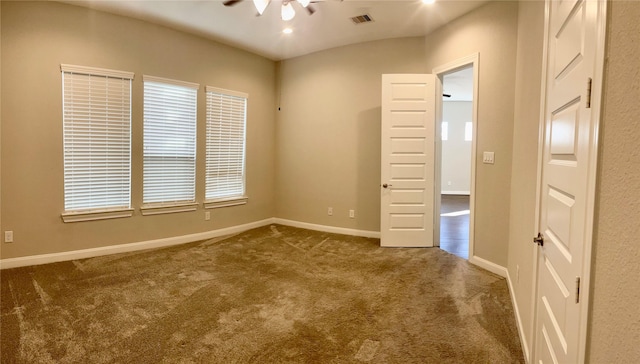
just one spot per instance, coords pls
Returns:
(567, 179)
(407, 160)
(472, 60)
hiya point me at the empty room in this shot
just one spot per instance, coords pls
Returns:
(262, 182)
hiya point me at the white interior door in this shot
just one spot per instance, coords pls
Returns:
(567, 183)
(407, 170)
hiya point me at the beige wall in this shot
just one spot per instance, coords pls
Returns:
(614, 318)
(614, 333)
(325, 146)
(525, 159)
(328, 131)
(327, 135)
(490, 31)
(36, 38)
(1, 240)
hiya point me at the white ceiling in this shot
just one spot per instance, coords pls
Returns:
(459, 85)
(329, 27)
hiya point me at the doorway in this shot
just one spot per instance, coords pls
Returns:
(456, 155)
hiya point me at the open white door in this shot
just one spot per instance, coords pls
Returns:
(567, 187)
(408, 160)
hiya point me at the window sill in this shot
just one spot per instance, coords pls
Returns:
(226, 202)
(167, 209)
(96, 215)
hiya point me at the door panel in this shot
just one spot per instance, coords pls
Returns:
(569, 40)
(558, 215)
(407, 161)
(568, 153)
(564, 126)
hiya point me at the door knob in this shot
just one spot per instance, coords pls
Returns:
(539, 239)
(385, 185)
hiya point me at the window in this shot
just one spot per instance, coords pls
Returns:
(96, 117)
(225, 159)
(468, 131)
(169, 157)
(445, 130)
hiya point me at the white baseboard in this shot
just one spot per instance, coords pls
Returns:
(490, 266)
(175, 240)
(516, 312)
(455, 192)
(327, 229)
(125, 248)
(504, 272)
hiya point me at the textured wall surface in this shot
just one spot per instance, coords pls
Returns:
(615, 309)
(491, 31)
(36, 38)
(525, 160)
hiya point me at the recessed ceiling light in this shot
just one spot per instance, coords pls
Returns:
(428, 1)
(287, 30)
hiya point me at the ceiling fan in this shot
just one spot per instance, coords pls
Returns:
(286, 12)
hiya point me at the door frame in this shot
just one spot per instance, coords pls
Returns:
(596, 112)
(440, 72)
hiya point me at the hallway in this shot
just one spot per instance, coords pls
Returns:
(454, 225)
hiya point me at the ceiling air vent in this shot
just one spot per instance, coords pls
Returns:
(366, 18)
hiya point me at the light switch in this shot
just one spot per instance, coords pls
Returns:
(487, 157)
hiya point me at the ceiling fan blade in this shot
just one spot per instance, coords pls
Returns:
(231, 2)
(261, 6)
(310, 9)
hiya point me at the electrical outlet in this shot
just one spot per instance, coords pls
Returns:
(352, 214)
(330, 211)
(207, 215)
(8, 236)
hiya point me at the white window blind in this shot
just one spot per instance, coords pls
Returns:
(96, 108)
(169, 141)
(225, 158)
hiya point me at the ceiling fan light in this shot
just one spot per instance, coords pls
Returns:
(304, 3)
(287, 12)
(260, 5)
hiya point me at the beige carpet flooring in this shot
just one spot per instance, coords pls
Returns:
(275, 294)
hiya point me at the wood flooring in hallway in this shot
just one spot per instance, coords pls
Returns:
(454, 225)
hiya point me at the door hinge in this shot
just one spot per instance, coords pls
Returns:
(577, 289)
(589, 81)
